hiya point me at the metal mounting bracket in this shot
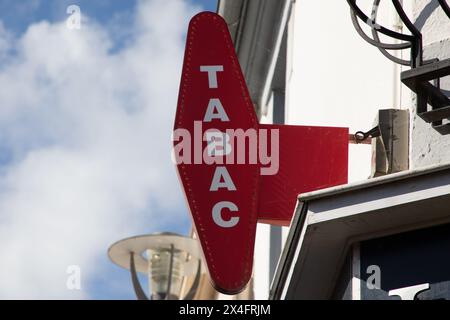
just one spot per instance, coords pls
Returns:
(418, 80)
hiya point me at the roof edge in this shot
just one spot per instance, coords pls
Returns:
(332, 191)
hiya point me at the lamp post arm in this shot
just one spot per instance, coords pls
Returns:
(190, 295)
(140, 294)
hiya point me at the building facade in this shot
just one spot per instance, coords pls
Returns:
(382, 236)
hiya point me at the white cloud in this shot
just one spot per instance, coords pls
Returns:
(89, 135)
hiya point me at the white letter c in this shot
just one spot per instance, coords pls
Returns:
(217, 214)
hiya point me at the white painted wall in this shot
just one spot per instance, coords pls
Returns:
(261, 262)
(337, 78)
(429, 147)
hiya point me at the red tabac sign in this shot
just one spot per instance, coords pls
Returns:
(235, 171)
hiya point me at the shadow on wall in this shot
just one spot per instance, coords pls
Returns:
(425, 14)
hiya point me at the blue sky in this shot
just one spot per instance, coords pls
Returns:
(18, 15)
(84, 126)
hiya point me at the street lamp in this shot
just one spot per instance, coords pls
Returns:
(167, 259)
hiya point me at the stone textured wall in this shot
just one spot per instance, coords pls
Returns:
(429, 147)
